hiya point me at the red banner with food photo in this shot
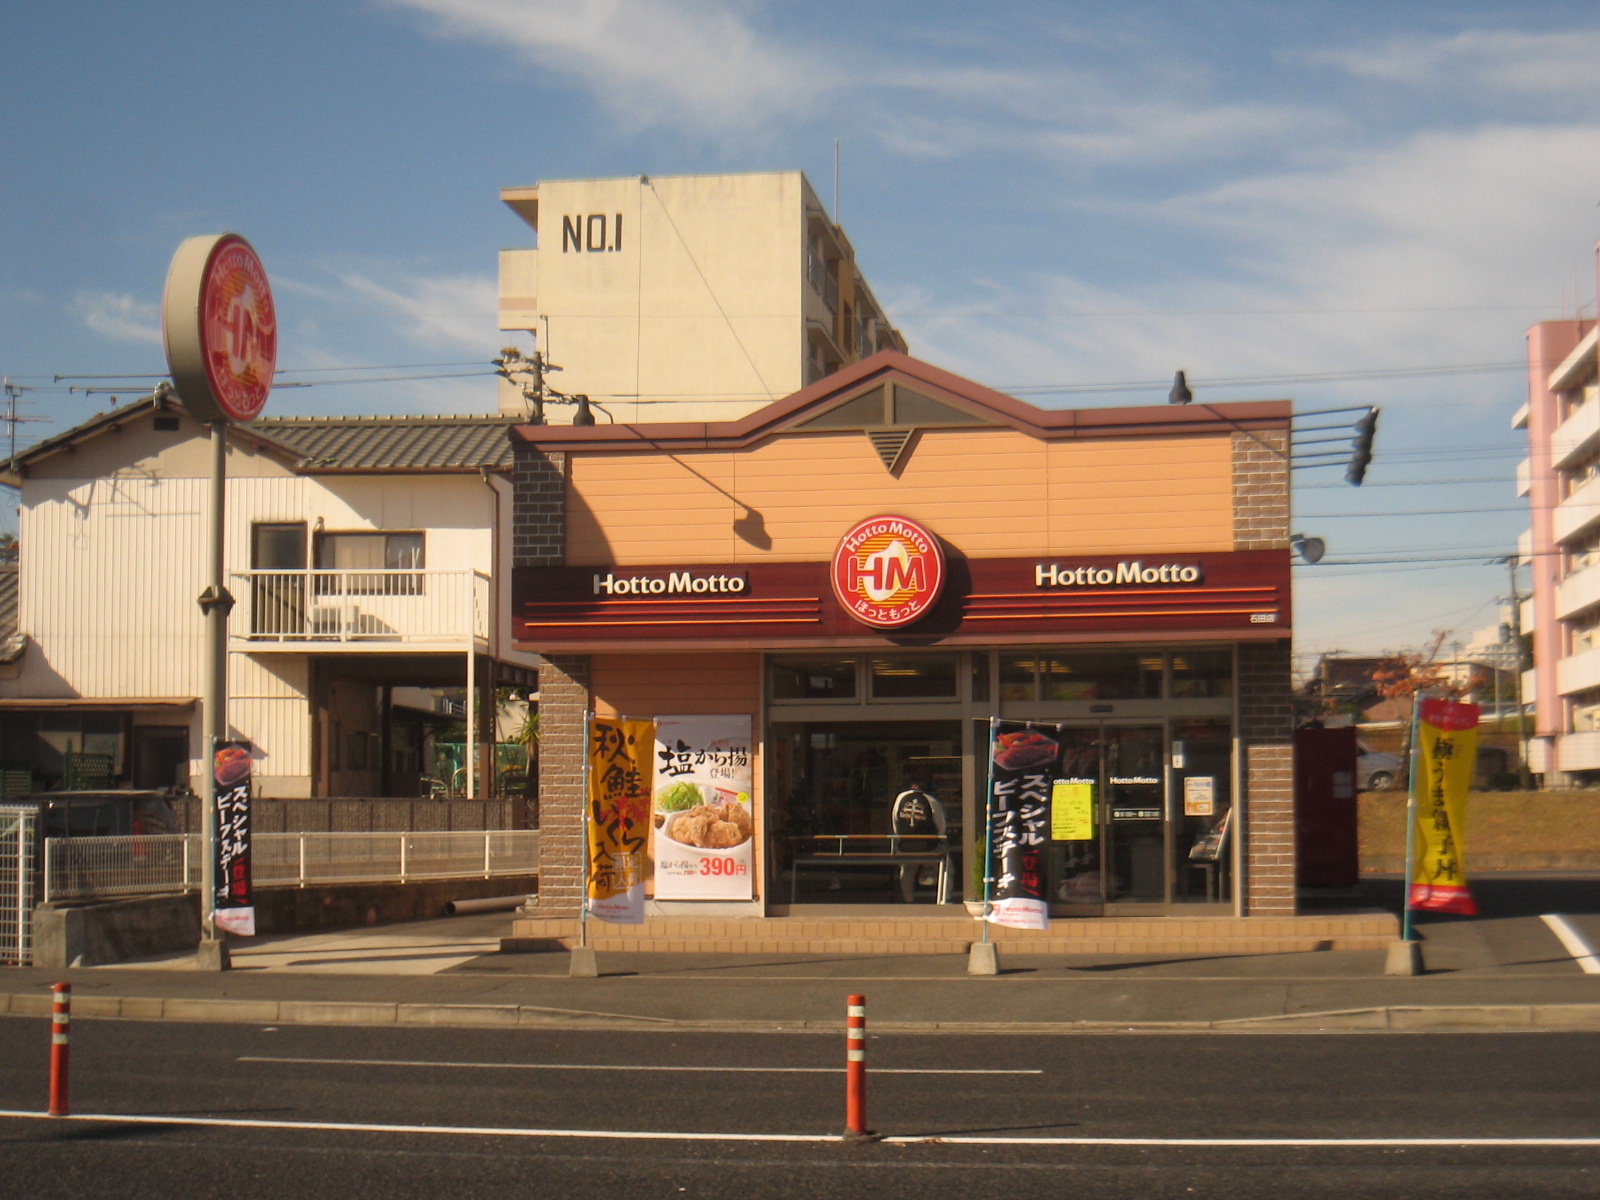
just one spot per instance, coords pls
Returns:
(232, 900)
(1024, 760)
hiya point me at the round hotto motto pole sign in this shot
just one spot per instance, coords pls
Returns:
(220, 329)
(888, 571)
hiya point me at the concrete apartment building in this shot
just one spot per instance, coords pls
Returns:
(1561, 478)
(694, 297)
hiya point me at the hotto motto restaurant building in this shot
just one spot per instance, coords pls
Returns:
(830, 600)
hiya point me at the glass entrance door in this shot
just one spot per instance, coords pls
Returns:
(1109, 827)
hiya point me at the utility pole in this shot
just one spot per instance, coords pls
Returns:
(1517, 665)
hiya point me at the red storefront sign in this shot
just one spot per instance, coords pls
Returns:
(888, 572)
(1242, 593)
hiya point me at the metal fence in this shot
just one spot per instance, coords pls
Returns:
(288, 814)
(97, 868)
(16, 884)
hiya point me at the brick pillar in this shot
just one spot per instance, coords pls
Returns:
(1266, 737)
(563, 700)
(1260, 489)
(538, 539)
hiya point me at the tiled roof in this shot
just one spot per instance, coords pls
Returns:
(391, 443)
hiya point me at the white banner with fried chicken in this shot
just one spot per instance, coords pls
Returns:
(702, 815)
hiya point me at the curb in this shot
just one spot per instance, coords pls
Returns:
(1396, 1018)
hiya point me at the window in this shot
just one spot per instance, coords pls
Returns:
(814, 679)
(386, 552)
(1112, 675)
(915, 677)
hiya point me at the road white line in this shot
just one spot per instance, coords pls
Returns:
(510, 1066)
(1582, 953)
(662, 1136)
(458, 1130)
(1305, 1143)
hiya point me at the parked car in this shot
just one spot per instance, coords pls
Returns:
(1376, 770)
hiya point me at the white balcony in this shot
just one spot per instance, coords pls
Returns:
(1530, 685)
(1578, 672)
(1525, 615)
(1525, 545)
(366, 610)
(1578, 511)
(1578, 591)
(1524, 477)
(1577, 434)
(1578, 751)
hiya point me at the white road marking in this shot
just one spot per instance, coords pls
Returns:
(1305, 1143)
(505, 1066)
(1582, 953)
(663, 1136)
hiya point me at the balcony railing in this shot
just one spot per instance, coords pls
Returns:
(448, 607)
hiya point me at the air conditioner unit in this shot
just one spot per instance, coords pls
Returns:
(334, 620)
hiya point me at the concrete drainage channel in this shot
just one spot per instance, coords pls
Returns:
(1454, 1018)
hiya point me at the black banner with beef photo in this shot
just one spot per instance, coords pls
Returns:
(232, 901)
(1024, 759)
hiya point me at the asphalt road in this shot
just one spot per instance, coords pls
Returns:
(518, 1098)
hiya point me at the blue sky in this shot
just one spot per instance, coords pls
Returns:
(1045, 196)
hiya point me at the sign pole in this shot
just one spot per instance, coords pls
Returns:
(219, 328)
(583, 964)
(215, 602)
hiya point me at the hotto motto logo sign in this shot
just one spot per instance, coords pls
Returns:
(220, 328)
(888, 571)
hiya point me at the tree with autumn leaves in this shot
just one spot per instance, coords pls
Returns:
(1407, 673)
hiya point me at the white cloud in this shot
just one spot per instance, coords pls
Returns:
(123, 318)
(649, 61)
(1557, 67)
(451, 310)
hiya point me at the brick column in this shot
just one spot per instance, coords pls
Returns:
(563, 700)
(539, 539)
(1266, 716)
(1266, 738)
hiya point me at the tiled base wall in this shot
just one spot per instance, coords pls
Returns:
(952, 935)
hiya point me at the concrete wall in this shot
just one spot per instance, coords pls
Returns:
(88, 935)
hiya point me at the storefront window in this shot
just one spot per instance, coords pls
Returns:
(1202, 842)
(1200, 674)
(1016, 676)
(1102, 675)
(832, 788)
(915, 677)
(980, 677)
(831, 678)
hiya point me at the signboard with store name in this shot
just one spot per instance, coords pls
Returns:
(1241, 593)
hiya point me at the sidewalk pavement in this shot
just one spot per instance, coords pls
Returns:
(448, 972)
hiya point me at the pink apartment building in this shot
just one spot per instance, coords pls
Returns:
(1561, 478)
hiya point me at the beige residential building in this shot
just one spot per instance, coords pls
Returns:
(693, 297)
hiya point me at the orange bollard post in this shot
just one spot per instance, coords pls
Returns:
(855, 1069)
(60, 1025)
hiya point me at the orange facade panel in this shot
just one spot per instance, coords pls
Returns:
(994, 492)
(648, 685)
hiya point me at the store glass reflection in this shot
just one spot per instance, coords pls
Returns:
(831, 839)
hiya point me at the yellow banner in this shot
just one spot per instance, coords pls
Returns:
(1447, 750)
(618, 817)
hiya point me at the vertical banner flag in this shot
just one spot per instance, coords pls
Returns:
(1447, 746)
(233, 905)
(704, 817)
(1023, 765)
(618, 817)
